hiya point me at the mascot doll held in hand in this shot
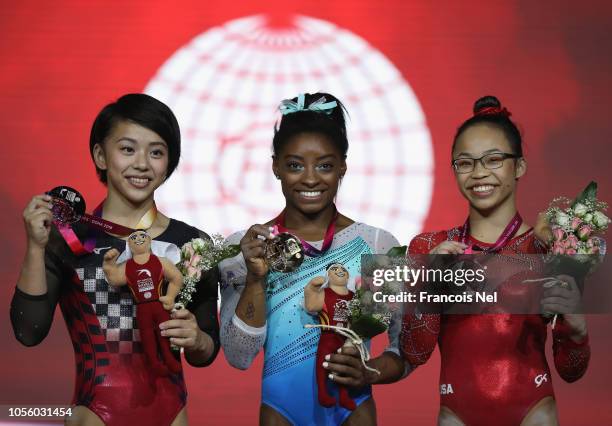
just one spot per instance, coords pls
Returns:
(332, 305)
(144, 273)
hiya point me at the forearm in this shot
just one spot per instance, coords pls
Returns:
(251, 307)
(174, 288)
(391, 366)
(32, 278)
(314, 299)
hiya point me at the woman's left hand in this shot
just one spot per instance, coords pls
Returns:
(346, 368)
(565, 299)
(183, 331)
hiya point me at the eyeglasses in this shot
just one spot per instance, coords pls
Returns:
(490, 161)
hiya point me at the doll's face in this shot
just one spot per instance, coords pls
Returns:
(139, 243)
(338, 275)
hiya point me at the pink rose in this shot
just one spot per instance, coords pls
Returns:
(590, 243)
(572, 241)
(192, 272)
(558, 248)
(570, 251)
(584, 232)
(195, 259)
(189, 251)
(575, 223)
(558, 233)
(358, 283)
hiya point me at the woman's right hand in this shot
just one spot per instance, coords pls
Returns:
(449, 247)
(253, 247)
(37, 218)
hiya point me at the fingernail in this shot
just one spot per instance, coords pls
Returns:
(163, 333)
(161, 326)
(327, 357)
(331, 376)
(271, 236)
(325, 364)
(270, 228)
(339, 350)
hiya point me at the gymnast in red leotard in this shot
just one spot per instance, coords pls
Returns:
(493, 367)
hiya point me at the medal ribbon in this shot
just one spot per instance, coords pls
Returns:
(309, 250)
(96, 222)
(504, 238)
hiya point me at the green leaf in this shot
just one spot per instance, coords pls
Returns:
(397, 251)
(589, 193)
(367, 326)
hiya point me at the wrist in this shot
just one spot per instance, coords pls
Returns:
(254, 280)
(34, 250)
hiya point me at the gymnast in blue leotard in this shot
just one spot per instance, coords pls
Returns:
(264, 309)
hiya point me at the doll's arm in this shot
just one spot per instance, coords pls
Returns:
(174, 278)
(115, 273)
(314, 296)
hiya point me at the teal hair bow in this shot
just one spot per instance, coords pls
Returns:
(320, 105)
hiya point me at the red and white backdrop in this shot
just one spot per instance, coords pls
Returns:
(408, 73)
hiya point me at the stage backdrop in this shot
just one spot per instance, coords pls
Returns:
(408, 73)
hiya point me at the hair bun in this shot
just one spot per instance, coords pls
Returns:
(486, 102)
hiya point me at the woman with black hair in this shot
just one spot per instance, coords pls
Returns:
(135, 146)
(493, 368)
(264, 309)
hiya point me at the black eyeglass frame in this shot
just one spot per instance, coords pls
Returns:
(505, 156)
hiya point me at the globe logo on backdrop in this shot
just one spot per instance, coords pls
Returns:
(225, 86)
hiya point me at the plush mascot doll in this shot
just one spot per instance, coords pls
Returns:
(144, 273)
(332, 304)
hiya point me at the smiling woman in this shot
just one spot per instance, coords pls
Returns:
(476, 390)
(263, 309)
(135, 145)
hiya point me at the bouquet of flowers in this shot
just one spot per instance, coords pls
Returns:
(198, 256)
(575, 225)
(369, 318)
(575, 248)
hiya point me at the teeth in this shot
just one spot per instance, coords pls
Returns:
(310, 193)
(139, 181)
(483, 188)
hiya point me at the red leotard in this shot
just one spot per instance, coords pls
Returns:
(493, 367)
(335, 312)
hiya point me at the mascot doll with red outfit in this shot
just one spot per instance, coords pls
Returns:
(144, 274)
(332, 304)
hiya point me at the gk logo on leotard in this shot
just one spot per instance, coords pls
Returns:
(446, 389)
(540, 378)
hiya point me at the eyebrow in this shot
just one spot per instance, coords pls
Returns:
(128, 139)
(488, 151)
(298, 157)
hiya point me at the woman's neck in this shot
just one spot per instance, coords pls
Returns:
(309, 225)
(488, 225)
(120, 210)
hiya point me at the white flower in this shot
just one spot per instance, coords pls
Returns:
(562, 219)
(198, 244)
(600, 220)
(588, 218)
(580, 209)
